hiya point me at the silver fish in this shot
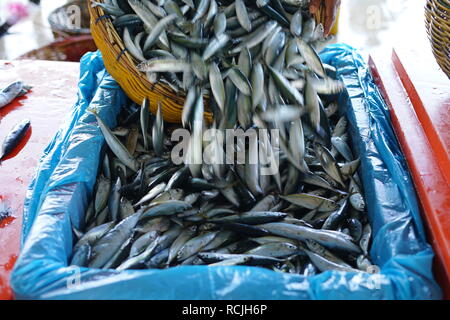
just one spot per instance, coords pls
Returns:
(116, 146)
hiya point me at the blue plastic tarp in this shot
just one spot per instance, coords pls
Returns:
(59, 194)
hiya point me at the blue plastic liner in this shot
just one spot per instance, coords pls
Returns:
(66, 176)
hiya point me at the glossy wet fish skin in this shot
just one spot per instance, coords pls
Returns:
(311, 57)
(254, 259)
(251, 217)
(286, 88)
(356, 198)
(242, 15)
(109, 8)
(215, 45)
(169, 207)
(144, 121)
(164, 65)
(116, 146)
(335, 218)
(94, 234)
(81, 256)
(135, 51)
(220, 23)
(217, 85)
(329, 164)
(365, 239)
(275, 250)
(194, 245)
(180, 241)
(14, 137)
(327, 238)
(114, 200)
(142, 242)
(273, 239)
(158, 260)
(324, 264)
(158, 133)
(10, 92)
(106, 246)
(322, 251)
(311, 201)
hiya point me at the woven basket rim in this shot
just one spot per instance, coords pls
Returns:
(122, 66)
(437, 21)
(124, 53)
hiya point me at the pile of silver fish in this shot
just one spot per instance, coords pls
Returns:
(14, 138)
(257, 64)
(186, 43)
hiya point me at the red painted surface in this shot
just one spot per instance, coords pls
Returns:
(430, 93)
(46, 105)
(418, 95)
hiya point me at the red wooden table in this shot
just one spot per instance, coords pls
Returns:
(418, 95)
(54, 92)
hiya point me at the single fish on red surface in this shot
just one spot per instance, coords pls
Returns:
(14, 90)
(13, 138)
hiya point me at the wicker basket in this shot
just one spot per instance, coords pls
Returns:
(70, 20)
(122, 66)
(437, 17)
(71, 49)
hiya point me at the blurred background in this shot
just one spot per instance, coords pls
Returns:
(365, 24)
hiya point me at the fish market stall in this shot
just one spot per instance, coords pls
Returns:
(214, 153)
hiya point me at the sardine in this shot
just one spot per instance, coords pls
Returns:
(14, 138)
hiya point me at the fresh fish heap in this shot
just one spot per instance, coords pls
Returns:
(257, 63)
(185, 43)
(147, 212)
